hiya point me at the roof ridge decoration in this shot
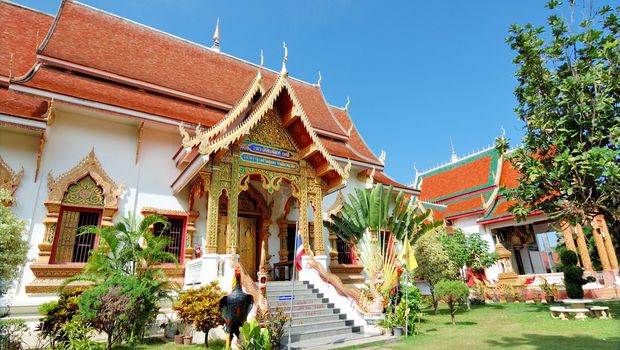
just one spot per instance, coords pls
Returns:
(266, 102)
(473, 154)
(243, 103)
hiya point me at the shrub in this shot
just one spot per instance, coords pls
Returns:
(122, 307)
(200, 307)
(253, 337)
(11, 333)
(409, 309)
(573, 275)
(56, 314)
(13, 249)
(275, 326)
(78, 335)
(453, 293)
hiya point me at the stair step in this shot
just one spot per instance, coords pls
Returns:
(346, 269)
(287, 298)
(297, 302)
(277, 293)
(307, 307)
(309, 313)
(287, 288)
(315, 326)
(301, 320)
(325, 332)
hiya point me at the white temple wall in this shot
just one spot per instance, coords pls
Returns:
(19, 149)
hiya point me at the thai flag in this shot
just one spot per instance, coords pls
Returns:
(299, 251)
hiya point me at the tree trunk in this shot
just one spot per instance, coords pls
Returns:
(451, 305)
(110, 341)
(207, 338)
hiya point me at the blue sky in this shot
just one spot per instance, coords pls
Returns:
(417, 72)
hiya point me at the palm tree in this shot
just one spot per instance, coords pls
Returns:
(128, 247)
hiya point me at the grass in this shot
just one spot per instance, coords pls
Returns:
(512, 326)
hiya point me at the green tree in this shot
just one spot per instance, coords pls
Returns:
(568, 94)
(453, 293)
(434, 263)
(468, 250)
(13, 249)
(573, 275)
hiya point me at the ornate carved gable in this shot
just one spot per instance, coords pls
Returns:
(269, 131)
(88, 167)
(9, 180)
(84, 193)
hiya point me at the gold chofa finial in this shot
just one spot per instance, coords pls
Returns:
(318, 83)
(262, 58)
(346, 106)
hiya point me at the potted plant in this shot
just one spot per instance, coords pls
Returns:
(388, 321)
(188, 335)
(550, 291)
(178, 337)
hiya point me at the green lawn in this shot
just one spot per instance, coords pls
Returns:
(512, 326)
(494, 326)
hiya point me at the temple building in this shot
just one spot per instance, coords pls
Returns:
(101, 116)
(468, 193)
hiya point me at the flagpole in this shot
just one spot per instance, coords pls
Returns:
(406, 283)
(290, 318)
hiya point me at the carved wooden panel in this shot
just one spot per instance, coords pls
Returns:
(247, 244)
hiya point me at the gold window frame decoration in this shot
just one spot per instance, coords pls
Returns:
(49, 276)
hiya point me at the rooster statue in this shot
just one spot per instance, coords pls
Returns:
(235, 308)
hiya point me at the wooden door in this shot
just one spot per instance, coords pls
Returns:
(247, 244)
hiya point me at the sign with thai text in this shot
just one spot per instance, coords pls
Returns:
(277, 163)
(266, 150)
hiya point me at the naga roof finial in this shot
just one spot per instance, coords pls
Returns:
(285, 57)
(346, 106)
(382, 157)
(216, 36)
(318, 83)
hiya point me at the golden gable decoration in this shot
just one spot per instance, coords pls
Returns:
(87, 166)
(9, 180)
(271, 132)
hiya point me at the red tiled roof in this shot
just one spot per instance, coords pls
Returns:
(53, 80)
(356, 142)
(382, 178)
(88, 37)
(510, 176)
(459, 178)
(21, 31)
(22, 105)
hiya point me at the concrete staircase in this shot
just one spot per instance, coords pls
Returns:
(349, 273)
(315, 321)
